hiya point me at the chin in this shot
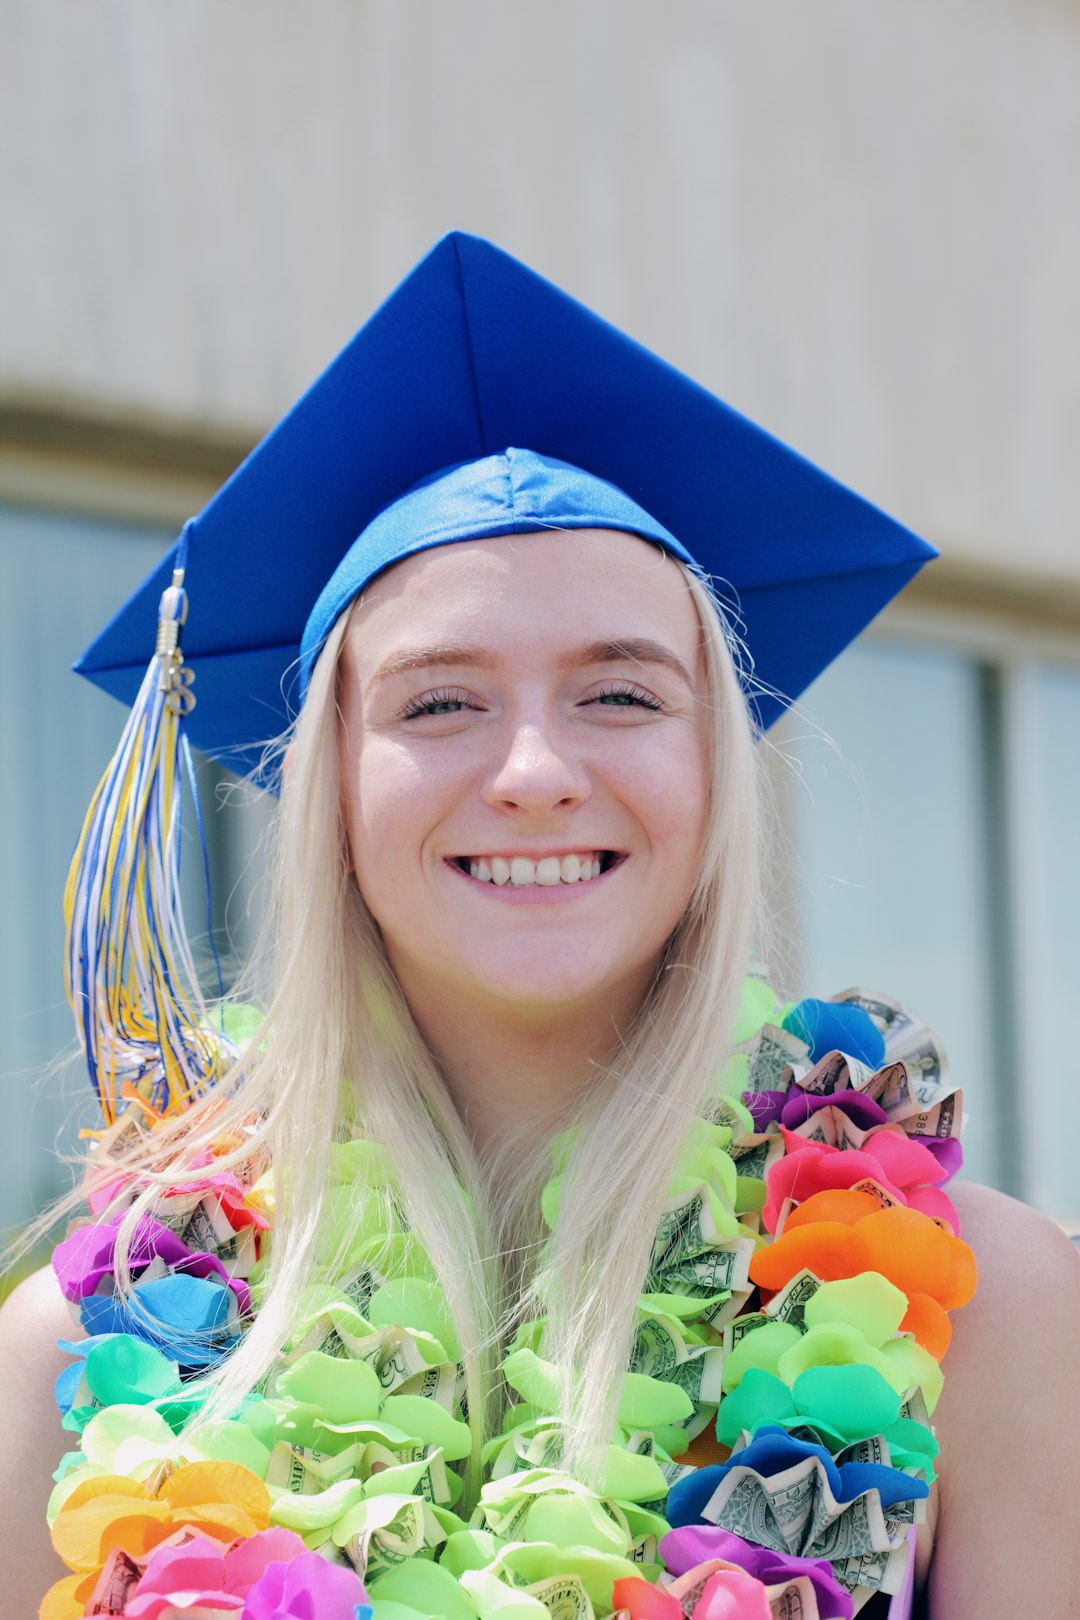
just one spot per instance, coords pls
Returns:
(549, 989)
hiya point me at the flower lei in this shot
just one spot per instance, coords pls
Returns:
(796, 1305)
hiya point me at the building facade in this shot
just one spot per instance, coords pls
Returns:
(857, 224)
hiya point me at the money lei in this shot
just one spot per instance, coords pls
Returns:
(777, 1322)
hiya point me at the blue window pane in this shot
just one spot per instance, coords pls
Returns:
(62, 578)
(892, 858)
(1054, 871)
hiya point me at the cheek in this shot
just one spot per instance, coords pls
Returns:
(393, 803)
(670, 787)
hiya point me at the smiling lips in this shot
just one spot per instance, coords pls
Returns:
(548, 872)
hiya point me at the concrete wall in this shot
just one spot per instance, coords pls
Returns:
(856, 221)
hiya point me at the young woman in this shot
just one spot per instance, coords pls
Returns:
(508, 1129)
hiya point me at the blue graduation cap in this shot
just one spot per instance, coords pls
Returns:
(478, 400)
(547, 415)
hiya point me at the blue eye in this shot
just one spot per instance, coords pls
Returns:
(625, 695)
(446, 701)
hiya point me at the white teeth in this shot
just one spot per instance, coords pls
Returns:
(547, 873)
(522, 870)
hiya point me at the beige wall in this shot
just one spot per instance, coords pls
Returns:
(858, 221)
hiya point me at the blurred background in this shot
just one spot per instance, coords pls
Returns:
(856, 223)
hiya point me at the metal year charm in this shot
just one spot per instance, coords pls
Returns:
(175, 679)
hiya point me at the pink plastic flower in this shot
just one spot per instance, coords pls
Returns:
(729, 1593)
(308, 1588)
(908, 1172)
(267, 1576)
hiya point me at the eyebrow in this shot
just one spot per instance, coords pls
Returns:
(623, 650)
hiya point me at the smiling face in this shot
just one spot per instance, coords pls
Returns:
(524, 768)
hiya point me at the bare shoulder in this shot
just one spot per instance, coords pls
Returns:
(1011, 1238)
(31, 1439)
(1009, 1421)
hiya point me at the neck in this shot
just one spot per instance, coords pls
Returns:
(504, 1067)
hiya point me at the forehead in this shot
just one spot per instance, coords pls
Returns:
(542, 590)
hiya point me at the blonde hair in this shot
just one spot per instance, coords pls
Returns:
(342, 1056)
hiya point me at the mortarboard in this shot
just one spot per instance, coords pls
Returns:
(478, 400)
(472, 354)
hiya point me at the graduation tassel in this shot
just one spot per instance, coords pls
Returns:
(130, 974)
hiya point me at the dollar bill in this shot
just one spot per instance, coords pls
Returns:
(943, 1119)
(328, 1334)
(391, 1534)
(359, 1288)
(873, 1572)
(209, 1231)
(435, 1384)
(401, 1360)
(175, 1212)
(795, 1511)
(836, 1534)
(797, 1601)
(736, 1331)
(542, 1450)
(907, 1039)
(789, 1305)
(685, 1230)
(755, 1155)
(915, 1408)
(115, 1585)
(643, 1551)
(304, 1471)
(769, 1512)
(714, 1271)
(506, 1522)
(833, 1072)
(725, 1310)
(122, 1136)
(774, 1054)
(563, 1596)
(432, 1486)
(923, 1056)
(876, 1191)
(834, 1128)
(892, 1019)
(875, 1450)
(699, 1375)
(892, 1089)
(658, 1348)
(721, 1111)
(691, 1587)
(332, 1344)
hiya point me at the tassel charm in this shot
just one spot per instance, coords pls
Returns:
(131, 977)
(174, 678)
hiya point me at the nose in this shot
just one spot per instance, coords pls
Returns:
(538, 772)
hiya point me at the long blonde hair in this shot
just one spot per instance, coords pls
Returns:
(342, 1056)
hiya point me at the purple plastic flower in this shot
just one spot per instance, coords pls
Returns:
(267, 1576)
(306, 1588)
(695, 1544)
(862, 1111)
(87, 1256)
(765, 1107)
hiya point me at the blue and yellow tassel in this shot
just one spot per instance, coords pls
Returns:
(130, 974)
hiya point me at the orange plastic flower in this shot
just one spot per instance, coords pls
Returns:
(927, 1322)
(835, 1235)
(221, 1499)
